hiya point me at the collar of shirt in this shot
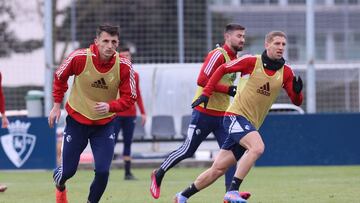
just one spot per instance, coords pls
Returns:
(270, 63)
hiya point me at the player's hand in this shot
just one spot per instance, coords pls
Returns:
(143, 119)
(4, 121)
(232, 90)
(54, 115)
(201, 99)
(297, 84)
(102, 108)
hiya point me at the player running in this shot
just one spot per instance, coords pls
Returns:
(207, 120)
(268, 74)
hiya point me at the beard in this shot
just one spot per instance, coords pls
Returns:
(238, 48)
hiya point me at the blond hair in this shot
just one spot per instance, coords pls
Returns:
(270, 36)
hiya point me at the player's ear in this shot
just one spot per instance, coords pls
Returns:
(226, 36)
(266, 44)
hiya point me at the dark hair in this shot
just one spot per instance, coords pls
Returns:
(124, 49)
(111, 29)
(233, 26)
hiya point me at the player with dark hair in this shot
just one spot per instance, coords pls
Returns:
(268, 74)
(126, 121)
(207, 120)
(4, 120)
(99, 76)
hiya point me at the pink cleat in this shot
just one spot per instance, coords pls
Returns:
(245, 195)
(154, 188)
(233, 197)
(61, 196)
(3, 188)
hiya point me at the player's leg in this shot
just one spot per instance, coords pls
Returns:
(224, 159)
(255, 145)
(117, 122)
(241, 131)
(221, 135)
(199, 128)
(102, 145)
(74, 143)
(128, 133)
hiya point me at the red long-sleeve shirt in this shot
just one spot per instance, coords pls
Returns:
(2, 98)
(74, 65)
(212, 62)
(132, 110)
(246, 65)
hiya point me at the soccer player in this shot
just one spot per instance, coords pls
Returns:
(99, 76)
(126, 120)
(207, 120)
(4, 120)
(268, 74)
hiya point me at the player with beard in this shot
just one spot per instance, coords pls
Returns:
(268, 75)
(208, 119)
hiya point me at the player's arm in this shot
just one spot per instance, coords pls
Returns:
(212, 62)
(4, 120)
(139, 100)
(293, 86)
(127, 88)
(243, 64)
(72, 65)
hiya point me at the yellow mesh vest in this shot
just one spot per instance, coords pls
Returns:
(91, 86)
(219, 101)
(256, 97)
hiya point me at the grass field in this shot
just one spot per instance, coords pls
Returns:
(267, 184)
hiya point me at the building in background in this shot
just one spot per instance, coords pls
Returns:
(337, 26)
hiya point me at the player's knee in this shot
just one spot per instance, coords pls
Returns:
(102, 176)
(258, 149)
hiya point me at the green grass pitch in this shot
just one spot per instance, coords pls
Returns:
(267, 184)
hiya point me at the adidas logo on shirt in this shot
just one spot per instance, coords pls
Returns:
(100, 84)
(265, 89)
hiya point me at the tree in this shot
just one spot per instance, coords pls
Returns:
(9, 42)
(6, 36)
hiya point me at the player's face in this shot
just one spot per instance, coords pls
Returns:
(126, 54)
(275, 49)
(235, 39)
(107, 45)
